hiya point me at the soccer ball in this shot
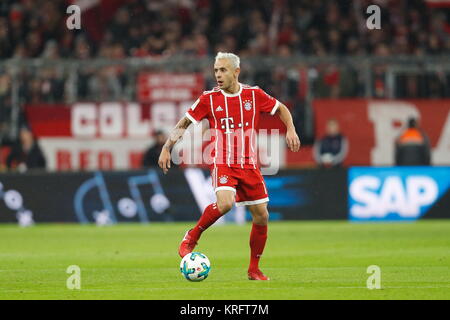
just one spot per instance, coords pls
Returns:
(195, 266)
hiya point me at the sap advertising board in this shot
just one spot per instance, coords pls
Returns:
(395, 193)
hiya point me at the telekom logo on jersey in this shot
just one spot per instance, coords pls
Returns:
(228, 124)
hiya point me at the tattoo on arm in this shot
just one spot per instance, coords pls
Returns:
(177, 132)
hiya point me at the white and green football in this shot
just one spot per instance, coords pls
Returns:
(195, 266)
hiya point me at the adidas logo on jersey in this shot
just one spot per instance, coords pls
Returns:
(219, 108)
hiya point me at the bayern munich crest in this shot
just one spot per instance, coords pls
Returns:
(223, 179)
(247, 105)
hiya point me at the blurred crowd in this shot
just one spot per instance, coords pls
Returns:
(36, 28)
(200, 28)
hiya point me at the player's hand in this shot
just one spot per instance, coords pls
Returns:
(164, 160)
(292, 140)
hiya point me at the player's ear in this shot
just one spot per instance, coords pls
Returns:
(236, 72)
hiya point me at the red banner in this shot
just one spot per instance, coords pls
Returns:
(108, 135)
(114, 135)
(169, 86)
(372, 126)
(114, 120)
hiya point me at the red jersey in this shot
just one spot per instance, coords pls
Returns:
(233, 119)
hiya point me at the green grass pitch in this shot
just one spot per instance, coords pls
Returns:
(305, 260)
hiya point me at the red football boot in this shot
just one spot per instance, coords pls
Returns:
(257, 275)
(187, 245)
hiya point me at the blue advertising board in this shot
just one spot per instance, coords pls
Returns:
(150, 196)
(395, 193)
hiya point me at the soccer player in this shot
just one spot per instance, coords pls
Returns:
(233, 111)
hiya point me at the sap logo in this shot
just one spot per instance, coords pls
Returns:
(370, 197)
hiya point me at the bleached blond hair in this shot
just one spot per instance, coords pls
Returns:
(234, 59)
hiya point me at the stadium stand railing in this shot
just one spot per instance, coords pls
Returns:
(294, 80)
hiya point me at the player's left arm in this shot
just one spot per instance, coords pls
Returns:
(292, 139)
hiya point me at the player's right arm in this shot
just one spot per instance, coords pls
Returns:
(195, 114)
(175, 135)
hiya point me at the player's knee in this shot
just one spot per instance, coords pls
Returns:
(224, 206)
(265, 216)
(260, 217)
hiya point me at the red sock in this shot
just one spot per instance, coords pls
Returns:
(209, 216)
(258, 237)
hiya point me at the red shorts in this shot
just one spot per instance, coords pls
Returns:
(248, 184)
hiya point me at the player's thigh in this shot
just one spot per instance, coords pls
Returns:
(251, 188)
(259, 213)
(224, 183)
(225, 200)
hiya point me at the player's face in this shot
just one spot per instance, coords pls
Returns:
(226, 75)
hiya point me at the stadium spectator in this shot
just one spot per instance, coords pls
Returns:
(51, 86)
(151, 156)
(251, 28)
(247, 27)
(26, 153)
(331, 150)
(5, 104)
(412, 148)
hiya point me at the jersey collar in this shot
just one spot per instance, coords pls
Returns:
(234, 94)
